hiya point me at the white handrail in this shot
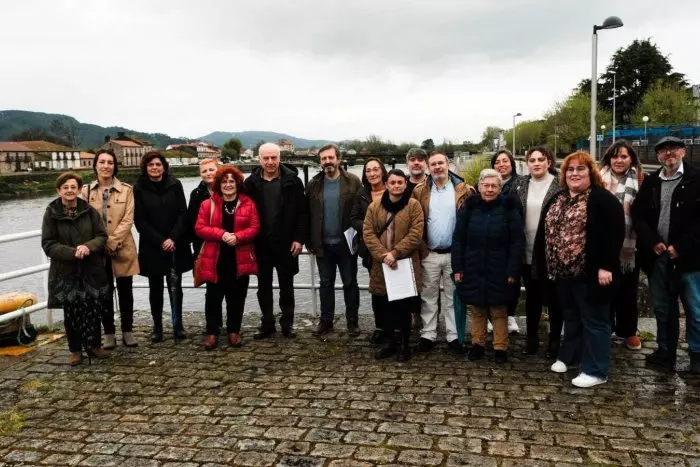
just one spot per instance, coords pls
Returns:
(19, 236)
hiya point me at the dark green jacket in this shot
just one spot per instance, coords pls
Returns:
(60, 235)
(349, 186)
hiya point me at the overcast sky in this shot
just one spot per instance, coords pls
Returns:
(404, 70)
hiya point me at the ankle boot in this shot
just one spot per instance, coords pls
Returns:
(128, 339)
(389, 348)
(695, 363)
(179, 334)
(110, 342)
(157, 334)
(76, 358)
(404, 353)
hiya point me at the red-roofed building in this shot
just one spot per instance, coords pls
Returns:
(129, 149)
(26, 155)
(204, 150)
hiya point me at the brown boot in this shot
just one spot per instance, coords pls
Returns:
(234, 339)
(210, 342)
(75, 359)
(98, 353)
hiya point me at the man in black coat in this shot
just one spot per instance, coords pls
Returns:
(279, 197)
(666, 217)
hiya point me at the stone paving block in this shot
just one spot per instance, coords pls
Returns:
(580, 441)
(333, 450)
(524, 463)
(214, 455)
(397, 427)
(456, 444)
(260, 445)
(172, 453)
(252, 458)
(100, 460)
(609, 457)
(376, 455)
(140, 450)
(102, 448)
(442, 430)
(632, 445)
(357, 425)
(555, 454)
(455, 460)
(647, 460)
(63, 459)
(489, 435)
(297, 461)
(139, 462)
(285, 433)
(505, 449)
(531, 437)
(411, 441)
(420, 457)
(362, 437)
(348, 463)
(293, 447)
(316, 435)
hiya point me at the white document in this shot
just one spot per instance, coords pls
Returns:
(350, 235)
(400, 282)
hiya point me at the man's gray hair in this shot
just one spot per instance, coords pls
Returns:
(488, 173)
(416, 152)
(269, 146)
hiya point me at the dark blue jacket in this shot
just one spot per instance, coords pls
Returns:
(487, 248)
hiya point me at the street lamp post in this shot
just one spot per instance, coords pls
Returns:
(611, 22)
(516, 115)
(600, 148)
(645, 119)
(614, 96)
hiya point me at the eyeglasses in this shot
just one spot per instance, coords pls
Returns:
(228, 182)
(667, 150)
(579, 169)
(489, 186)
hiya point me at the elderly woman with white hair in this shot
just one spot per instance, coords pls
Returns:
(487, 251)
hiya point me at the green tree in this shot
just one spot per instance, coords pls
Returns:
(231, 149)
(635, 69)
(528, 133)
(667, 103)
(490, 133)
(572, 121)
(256, 148)
(428, 145)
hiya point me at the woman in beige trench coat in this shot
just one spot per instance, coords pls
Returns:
(114, 201)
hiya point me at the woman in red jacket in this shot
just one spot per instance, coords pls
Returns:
(227, 222)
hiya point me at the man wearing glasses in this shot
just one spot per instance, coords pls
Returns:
(666, 217)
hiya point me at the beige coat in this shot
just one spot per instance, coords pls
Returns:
(408, 232)
(120, 219)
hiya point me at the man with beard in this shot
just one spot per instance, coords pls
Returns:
(666, 218)
(416, 162)
(278, 194)
(330, 195)
(441, 196)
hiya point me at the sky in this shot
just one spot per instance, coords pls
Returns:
(319, 69)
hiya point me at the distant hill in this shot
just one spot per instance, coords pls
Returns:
(250, 138)
(87, 135)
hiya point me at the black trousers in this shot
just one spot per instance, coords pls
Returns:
(285, 278)
(624, 312)
(234, 291)
(396, 315)
(126, 302)
(155, 298)
(539, 292)
(513, 305)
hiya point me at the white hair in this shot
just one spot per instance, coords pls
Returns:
(269, 146)
(488, 173)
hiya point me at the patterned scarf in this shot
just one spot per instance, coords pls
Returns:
(625, 190)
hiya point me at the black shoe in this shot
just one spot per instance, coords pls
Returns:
(695, 363)
(658, 358)
(552, 351)
(386, 351)
(456, 347)
(404, 353)
(353, 329)
(179, 334)
(322, 329)
(288, 332)
(476, 352)
(377, 337)
(264, 333)
(531, 348)
(424, 345)
(500, 356)
(157, 335)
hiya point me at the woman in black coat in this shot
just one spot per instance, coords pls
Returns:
(487, 250)
(578, 246)
(164, 244)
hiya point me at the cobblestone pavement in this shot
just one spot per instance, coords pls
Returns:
(307, 402)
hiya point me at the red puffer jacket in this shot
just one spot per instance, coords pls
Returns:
(246, 226)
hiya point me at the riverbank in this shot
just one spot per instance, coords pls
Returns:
(34, 184)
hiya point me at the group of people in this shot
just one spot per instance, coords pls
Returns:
(576, 237)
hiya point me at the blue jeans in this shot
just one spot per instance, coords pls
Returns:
(338, 256)
(586, 329)
(665, 288)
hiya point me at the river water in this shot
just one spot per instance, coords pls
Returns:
(23, 215)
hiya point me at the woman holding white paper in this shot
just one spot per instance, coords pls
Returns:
(392, 231)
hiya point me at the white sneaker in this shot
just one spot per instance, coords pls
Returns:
(489, 327)
(558, 367)
(587, 381)
(513, 328)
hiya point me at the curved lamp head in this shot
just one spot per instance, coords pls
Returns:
(518, 115)
(611, 22)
